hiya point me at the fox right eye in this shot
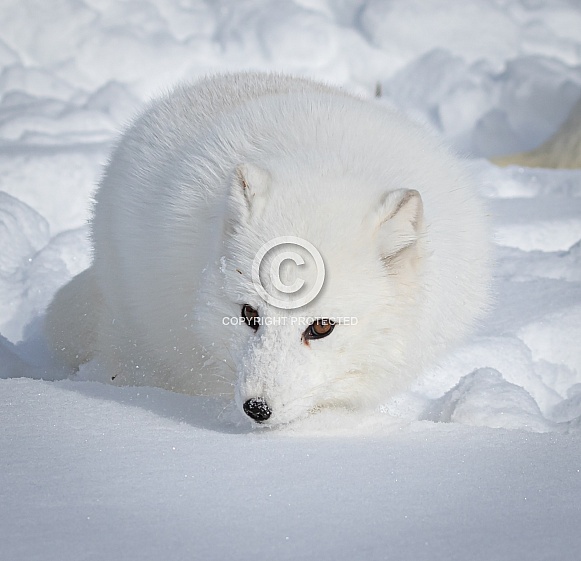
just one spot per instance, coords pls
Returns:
(319, 329)
(250, 316)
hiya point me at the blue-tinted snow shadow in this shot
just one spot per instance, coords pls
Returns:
(204, 412)
(31, 359)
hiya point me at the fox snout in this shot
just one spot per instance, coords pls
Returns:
(257, 409)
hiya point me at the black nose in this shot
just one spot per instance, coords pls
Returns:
(257, 409)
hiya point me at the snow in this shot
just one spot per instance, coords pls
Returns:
(143, 474)
(479, 460)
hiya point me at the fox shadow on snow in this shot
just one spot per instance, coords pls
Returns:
(29, 359)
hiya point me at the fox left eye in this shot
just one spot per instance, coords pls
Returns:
(319, 329)
(251, 316)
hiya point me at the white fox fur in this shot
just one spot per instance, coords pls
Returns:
(211, 172)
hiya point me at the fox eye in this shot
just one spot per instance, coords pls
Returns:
(319, 329)
(250, 316)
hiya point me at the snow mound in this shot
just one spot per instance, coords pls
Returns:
(485, 399)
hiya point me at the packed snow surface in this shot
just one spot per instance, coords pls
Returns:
(479, 460)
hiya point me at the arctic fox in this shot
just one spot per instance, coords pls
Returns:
(367, 211)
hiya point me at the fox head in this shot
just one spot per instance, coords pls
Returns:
(315, 298)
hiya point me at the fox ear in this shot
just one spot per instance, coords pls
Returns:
(399, 221)
(252, 187)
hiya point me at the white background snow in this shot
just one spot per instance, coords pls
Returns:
(480, 460)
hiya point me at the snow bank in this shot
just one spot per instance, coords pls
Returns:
(89, 471)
